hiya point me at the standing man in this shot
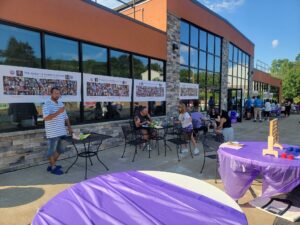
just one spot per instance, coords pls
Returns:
(258, 104)
(55, 117)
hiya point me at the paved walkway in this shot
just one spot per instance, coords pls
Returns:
(23, 192)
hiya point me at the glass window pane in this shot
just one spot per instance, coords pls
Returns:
(240, 56)
(210, 62)
(247, 60)
(184, 74)
(217, 64)
(202, 63)
(61, 54)
(229, 82)
(157, 70)
(140, 67)
(194, 36)
(235, 68)
(194, 76)
(217, 80)
(235, 54)
(119, 62)
(184, 32)
(234, 82)
(157, 108)
(19, 47)
(210, 79)
(239, 70)
(217, 46)
(203, 40)
(194, 57)
(184, 54)
(94, 59)
(230, 71)
(202, 77)
(247, 73)
(211, 44)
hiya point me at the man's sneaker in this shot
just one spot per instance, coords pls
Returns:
(196, 151)
(184, 150)
(49, 168)
(57, 171)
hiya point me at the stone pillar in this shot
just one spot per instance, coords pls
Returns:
(224, 74)
(251, 74)
(173, 64)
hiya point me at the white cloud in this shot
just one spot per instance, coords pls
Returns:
(222, 5)
(275, 43)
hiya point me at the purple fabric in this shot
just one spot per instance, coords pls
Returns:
(133, 198)
(197, 119)
(238, 168)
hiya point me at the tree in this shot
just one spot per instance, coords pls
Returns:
(289, 72)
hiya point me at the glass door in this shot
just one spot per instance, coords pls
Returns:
(235, 102)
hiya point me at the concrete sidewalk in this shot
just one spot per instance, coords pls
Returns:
(23, 192)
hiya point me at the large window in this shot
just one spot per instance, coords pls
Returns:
(61, 54)
(23, 47)
(200, 61)
(238, 69)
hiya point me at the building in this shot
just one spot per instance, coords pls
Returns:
(169, 40)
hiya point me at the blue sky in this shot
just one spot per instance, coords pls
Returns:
(273, 25)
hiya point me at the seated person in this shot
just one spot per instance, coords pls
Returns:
(142, 118)
(198, 121)
(225, 127)
(215, 117)
(187, 127)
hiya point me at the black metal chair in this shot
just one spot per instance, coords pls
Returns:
(183, 138)
(134, 138)
(211, 143)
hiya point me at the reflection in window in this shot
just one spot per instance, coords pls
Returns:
(194, 76)
(140, 67)
(184, 74)
(203, 35)
(230, 53)
(202, 64)
(202, 75)
(229, 82)
(217, 65)
(94, 59)
(210, 79)
(61, 54)
(194, 36)
(119, 64)
(157, 70)
(217, 80)
(184, 32)
(184, 54)
(211, 44)
(210, 62)
(217, 46)
(194, 58)
(19, 47)
(235, 54)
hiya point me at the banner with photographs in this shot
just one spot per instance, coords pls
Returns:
(189, 91)
(148, 91)
(26, 85)
(99, 88)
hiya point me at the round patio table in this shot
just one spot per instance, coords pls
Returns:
(238, 169)
(145, 197)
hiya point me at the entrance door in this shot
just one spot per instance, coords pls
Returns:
(235, 101)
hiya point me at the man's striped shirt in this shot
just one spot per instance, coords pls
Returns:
(55, 127)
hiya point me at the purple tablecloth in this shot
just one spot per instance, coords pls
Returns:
(238, 168)
(133, 198)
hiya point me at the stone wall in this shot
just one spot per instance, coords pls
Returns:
(28, 148)
(173, 64)
(224, 74)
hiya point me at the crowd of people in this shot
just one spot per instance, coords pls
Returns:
(31, 86)
(256, 108)
(107, 89)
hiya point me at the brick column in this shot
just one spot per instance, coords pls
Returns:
(173, 64)
(224, 74)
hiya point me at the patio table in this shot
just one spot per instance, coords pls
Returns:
(238, 169)
(145, 197)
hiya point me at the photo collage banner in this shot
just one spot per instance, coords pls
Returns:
(189, 91)
(26, 85)
(146, 91)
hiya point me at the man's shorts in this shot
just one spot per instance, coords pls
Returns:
(55, 145)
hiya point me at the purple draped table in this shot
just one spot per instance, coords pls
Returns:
(140, 198)
(238, 169)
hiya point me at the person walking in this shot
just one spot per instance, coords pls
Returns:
(55, 118)
(268, 109)
(258, 104)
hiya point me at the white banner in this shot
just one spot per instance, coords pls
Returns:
(189, 91)
(148, 91)
(26, 85)
(98, 88)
